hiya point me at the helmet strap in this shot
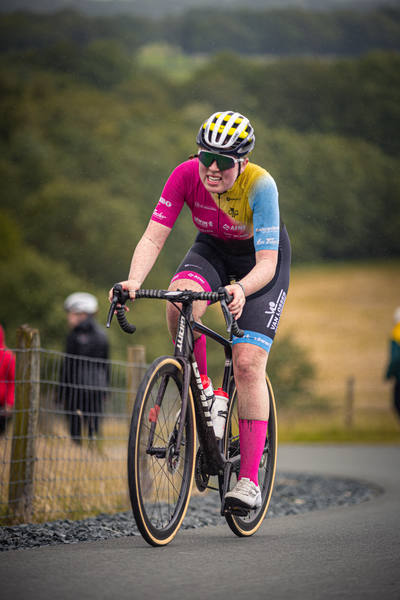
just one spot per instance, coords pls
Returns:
(239, 170)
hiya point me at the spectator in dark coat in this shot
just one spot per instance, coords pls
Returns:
(85, 372)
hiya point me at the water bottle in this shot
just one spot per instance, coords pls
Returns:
(208, 390)
(219, 412)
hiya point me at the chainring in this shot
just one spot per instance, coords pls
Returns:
(201, 478)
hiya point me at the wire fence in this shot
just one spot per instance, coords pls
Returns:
(64, 451)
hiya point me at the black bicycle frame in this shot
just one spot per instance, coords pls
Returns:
(214, 459)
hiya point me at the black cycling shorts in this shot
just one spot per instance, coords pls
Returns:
(214, 263)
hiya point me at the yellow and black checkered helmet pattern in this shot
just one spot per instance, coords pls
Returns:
(227, 133)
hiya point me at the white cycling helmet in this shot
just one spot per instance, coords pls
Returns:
(81, 302)
(227, 133)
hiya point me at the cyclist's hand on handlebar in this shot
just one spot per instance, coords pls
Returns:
(130, 285)
(236, 306)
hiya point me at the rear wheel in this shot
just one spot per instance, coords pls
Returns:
(159, 481)
(248, 525)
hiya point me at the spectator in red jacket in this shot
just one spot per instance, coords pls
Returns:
(7, 382)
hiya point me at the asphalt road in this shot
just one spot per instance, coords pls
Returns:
(349, 552)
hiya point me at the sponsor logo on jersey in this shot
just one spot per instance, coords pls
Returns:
(203, 223)
(234, 227)
(198, 205)
(267, 241)
(266, 229)
(159, 215)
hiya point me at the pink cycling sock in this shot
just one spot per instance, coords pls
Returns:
(200, 354)
(252, 436)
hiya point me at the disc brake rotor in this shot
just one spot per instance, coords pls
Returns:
(173, 460)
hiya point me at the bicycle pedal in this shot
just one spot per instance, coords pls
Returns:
(237, 511)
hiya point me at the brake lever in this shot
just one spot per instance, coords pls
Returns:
(223, 297)
(231, 324)
(120, 296)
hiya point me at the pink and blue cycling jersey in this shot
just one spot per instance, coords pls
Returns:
(249, 209)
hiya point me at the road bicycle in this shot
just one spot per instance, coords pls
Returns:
(169, 410)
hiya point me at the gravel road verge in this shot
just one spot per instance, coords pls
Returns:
(293, 494)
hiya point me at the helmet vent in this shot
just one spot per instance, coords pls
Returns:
(227, 132)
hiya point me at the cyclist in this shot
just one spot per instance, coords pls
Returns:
(241, 239)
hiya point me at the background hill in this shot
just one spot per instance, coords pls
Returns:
(276, 32)
(160, 8)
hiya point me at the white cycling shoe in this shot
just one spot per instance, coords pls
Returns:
(245, 494)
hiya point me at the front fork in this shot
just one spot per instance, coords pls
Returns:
(174, 450)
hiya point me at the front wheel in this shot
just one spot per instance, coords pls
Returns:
(160, 482)
(248, 525)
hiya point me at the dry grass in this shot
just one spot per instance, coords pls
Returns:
(75, 481)
(342, 314)
(330, 427)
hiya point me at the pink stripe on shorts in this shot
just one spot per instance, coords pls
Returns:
(194, 277)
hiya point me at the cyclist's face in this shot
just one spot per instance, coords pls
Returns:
(218, 182)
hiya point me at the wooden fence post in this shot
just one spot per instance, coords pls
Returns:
(26, 410)
(136, 370)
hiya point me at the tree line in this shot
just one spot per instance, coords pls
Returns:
(280, 32)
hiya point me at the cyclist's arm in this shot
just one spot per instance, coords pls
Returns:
(263, 271)
(260, 275)
(145, 255)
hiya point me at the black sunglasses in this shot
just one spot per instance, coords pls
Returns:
(224, 162)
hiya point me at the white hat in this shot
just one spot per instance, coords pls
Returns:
(81, 302)
(396, 315)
